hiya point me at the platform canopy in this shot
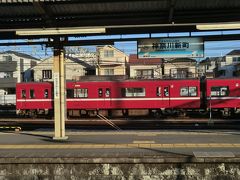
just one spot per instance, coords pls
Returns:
(116, 16)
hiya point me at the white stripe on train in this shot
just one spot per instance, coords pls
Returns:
(110, 99)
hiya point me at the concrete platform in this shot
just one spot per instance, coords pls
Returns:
(109, 144)
(121, 155)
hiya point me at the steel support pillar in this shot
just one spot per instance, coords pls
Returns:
(59, 93)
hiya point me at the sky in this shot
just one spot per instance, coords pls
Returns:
(211, 48)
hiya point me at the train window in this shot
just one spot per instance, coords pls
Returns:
(133, 92)
(158, 91)
(184, 91)
(188, 91)
(23, 93)
(80, 93)
(107, 94)
(46, 93)
(166, 91)
(100, 92)
(32, 94)
(70, 93)
(192, 91)
(219, 91)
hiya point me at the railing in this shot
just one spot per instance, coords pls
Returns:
(9, 99)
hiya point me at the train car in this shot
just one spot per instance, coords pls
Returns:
(223, 95)
(90, 97)
(34, 98)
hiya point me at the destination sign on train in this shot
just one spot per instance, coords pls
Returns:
(171, 48)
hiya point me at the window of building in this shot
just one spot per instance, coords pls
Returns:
(80, 93)
(179, 73)
(217, 91)
(236, 59)
(108, 71)
(133, 92)
(47, 74)
(144, 73)
(188, 91)
(23, 94)
(108, 53)
(46, 93)
(32, 94)
(7, 58)
(8, 75)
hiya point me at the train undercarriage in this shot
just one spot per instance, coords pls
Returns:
(114, 113)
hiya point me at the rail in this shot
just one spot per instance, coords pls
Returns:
(108, 122)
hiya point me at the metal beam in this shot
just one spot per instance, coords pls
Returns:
(46, 15)
(171, 11)
(112, 40)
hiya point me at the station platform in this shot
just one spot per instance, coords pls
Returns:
(165, 154)
(118, 144)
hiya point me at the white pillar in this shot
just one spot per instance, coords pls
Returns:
(59, 94)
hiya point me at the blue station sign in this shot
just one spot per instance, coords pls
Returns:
(171, 48)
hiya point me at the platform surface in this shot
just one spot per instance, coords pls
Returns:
(117, 144)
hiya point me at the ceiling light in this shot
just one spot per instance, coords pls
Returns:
(57, 31)
(218, 26)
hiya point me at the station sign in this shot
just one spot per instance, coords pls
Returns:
(171, 48)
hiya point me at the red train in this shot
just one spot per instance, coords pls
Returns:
(132, 97)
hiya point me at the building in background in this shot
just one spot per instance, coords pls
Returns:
(228, 67)
(14, 68)
(111, 61)
(75, 68)
(209, 66)
(146, 68)
(180, 68)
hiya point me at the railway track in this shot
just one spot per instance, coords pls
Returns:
(169, 123)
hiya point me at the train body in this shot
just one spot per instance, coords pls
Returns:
(155, 96)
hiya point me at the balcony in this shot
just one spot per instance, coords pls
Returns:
(8, 82)
(8, 66)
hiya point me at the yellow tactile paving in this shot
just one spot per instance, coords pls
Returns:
(144, 145)
(143, 142)
(139, 133)
(113, 146)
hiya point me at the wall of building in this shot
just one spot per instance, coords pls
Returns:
(14, 68)
(73, 70)
(191, 67)
(157, 70)
(110, 57)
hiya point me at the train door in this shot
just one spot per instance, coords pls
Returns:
(104, 95)
(23, 98)
(166, 96)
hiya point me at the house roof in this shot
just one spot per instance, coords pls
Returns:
(19, 54)
(79, 61)
(179, 60)
(209, 59)
(133, 59)
(110, 46)
(76, 60)
(233, 52)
